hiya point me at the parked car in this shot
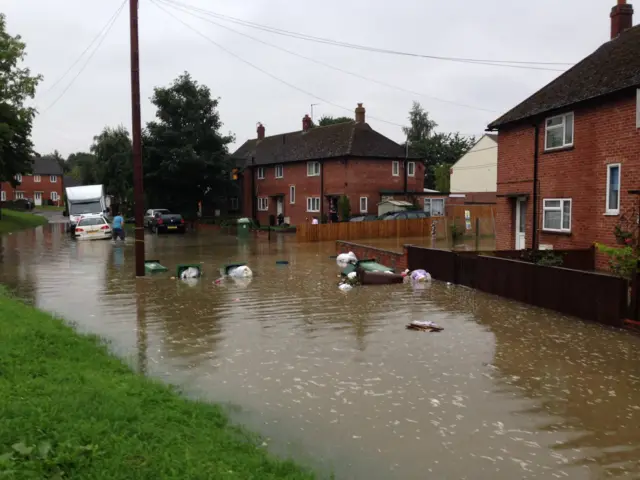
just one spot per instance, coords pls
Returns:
(93, 227)
(407, 215)
(150, 215)
(364, 218)
(167, 222)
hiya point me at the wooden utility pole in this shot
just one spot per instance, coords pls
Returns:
(136, 132)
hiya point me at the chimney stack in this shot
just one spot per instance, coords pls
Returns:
(360, 113)
(621, 18)
(306, 123)
(260, 131)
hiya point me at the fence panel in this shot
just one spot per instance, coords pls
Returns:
(359, 230)
(441, 264)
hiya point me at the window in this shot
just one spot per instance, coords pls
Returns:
(54, 196)
(613, 189)
(233, 203)
(364, 201)
(19, 195)
(263, 204)
(3, 196)
(53, 179)
(313, 169)
(411, 169)
(434, 207)
(37, 179)
(260, 173)
(313, 204)
(559, 131)
(92, 221)
(395, 168)
(292, 194)
(279, 171)
(556, 215)
(18, 178)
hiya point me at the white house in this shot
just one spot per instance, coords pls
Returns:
(477, 170)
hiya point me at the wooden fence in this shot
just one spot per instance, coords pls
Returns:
(587, 295)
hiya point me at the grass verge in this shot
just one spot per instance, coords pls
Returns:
(13, 221)
(70, 409)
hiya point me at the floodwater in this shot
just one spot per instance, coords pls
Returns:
(506, 391)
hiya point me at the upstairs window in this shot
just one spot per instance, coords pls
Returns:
(313, 169)
(53, 179)
(395, 168)
(411, 169)
(37, 179)
(559, 132)
(279, 171)
(18, 178)
(260, 173)
(613, 189)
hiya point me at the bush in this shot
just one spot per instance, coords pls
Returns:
(344, 208)
(622, 261)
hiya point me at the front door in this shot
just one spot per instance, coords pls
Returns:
(521, 223)
(37, 198)
(280, 206)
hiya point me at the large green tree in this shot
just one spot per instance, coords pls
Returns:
(439, 150)
(327, 120)
(186, 156)
(17, 85)
(113, 165)
(83, 167)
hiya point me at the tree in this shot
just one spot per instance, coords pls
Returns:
(327, 120)
(344, 207)
(17, 85)
(113, 162)
(82, 166)
(186, 156)
(421, 126)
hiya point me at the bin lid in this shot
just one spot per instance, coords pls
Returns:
(243, 221)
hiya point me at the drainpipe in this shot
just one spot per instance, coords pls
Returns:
(534, 236)
(321, 189)
(406, 174)
(253, 189)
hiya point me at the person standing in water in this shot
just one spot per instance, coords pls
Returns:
(118, 227)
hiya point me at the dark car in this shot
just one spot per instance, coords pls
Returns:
(364, 218)
(407, 215)
(165, 222)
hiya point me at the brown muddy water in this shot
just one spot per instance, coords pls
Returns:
(335, 380)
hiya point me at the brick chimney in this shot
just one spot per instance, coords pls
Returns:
(621, 18)
(360, 113)
(260, 131)
(306, 122)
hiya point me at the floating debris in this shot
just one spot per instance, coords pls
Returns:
(424, 326)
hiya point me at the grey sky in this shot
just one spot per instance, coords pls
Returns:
(57, 31)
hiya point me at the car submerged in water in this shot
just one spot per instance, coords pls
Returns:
(93, 227)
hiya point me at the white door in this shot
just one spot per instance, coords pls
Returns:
(279, 206)
(521, 223)
(37, 197)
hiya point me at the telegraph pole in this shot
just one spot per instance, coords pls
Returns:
(136, 132)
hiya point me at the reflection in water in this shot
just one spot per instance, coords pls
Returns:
(505, 391)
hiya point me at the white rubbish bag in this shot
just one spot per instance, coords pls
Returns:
(345, 259)
(352, 276)
(190, 272)
(420, 276)
(241, 272)
(345, 287)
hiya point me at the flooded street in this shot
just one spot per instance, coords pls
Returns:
(506, 391)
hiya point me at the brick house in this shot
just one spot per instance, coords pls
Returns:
(302, 174)
(569, 155)
(45, 183)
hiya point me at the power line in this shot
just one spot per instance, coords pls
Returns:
(95, 39)
(112, 21)
(287, 33)
(269, 74)
(357, 75)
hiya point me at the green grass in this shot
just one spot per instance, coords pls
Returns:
(70, 409)
(13, 221)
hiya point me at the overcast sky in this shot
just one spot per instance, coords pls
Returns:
(57, 31)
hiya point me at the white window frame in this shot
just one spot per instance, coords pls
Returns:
(281, 173)
(366, 204)
(310, 204)
(430, 202)
(638, 108)
(613, 211)
(18, 177)
(18, 195)
(260, 173)
(53, 178)
(292, 194)
(313, 169)
(395, 168)
(263, 204)
(411, 169)
(234, 204)
(562, 127)
(54, 196)
(3, 196)
(37, 179)
(546, 209)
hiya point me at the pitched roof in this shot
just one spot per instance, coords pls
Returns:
(339, 140)
(46, 166)
(612, 67)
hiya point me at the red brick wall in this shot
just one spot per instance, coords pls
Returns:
(395, 260)
(29, 186)
(604, 133)
(352, 177)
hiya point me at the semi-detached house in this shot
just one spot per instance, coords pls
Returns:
(569, 155)
(43, 185)
(301, 174)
